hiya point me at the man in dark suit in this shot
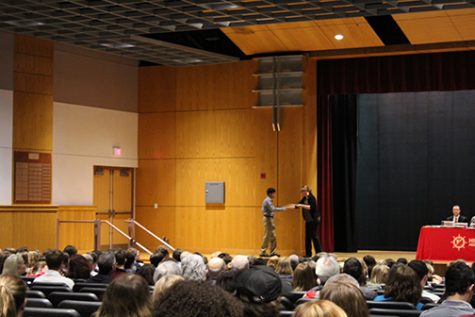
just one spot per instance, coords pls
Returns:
(456, 216)
(310, 214)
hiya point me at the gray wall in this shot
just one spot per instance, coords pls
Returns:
(91, 78)
(6, 61)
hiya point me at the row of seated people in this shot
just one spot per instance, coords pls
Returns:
(188, 284)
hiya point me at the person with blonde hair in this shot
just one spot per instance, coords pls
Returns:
(272, 262)
(379, 274)
(165, 283)
(127, 296)
(14, 265)
(12, 296)
(319, 308)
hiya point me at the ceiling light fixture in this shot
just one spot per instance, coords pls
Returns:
(117, 45)
(339, 37)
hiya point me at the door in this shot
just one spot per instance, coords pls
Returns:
(113, 197)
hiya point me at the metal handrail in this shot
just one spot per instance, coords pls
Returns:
(96, 222)
(127, 236)
(135, 222)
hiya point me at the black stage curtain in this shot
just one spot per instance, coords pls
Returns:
(415, 160)
(420, 72)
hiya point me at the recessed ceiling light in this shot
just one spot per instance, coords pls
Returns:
(117, 45)
(189, 60)
(25, 23)
(339, 37)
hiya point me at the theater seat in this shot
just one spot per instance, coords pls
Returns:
(98, 291)
(394, 312)
(49, 312)
(78, 286)
(286, 313)
(57, 297)
(34, 294)
(49, 289)
(390, 305)
(304, 300)
(85, 309)
(38, 302)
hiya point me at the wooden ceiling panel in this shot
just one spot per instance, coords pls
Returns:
(438, 26)
(303, 36)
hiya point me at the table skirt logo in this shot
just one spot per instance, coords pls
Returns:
(459, 242)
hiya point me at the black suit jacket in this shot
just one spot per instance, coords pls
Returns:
(461, 219)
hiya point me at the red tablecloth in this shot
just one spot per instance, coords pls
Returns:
(446, 244)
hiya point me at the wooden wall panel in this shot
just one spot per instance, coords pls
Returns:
(77, 234)
(226, 86)
(157, 89)
(32, 121)
(239, 175)
(157, 135)
(215, 135)
(32, 96)
(156, 183)
(6, 234)
(160, 221)
(196, 134)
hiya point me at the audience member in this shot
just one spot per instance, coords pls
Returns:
(215, 266)
(14, 265)
(70, 250)
(326, 267)
(33, 259)
(12, 296)
(272, 262)
(39, 269)
(240, 262)
(106, 263)
(294, 261)
(120, 259)
(379, 275)
(403, 286)
(131, 260)
(55, 262)
(156, 258)
(343, 290)
(304, 278)
(354, 268)
(166, 268)
(195, 299)
(146, 271)
(370, 263)
(227, 280)
(423, 274)
(259, 288)
(177, 255)
(227, 258)
(193, 267)
(164, 284)
(127, 296)
(459, 284)
(319, 308)
(79, 268)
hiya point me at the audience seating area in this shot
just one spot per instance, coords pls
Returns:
(290, 284)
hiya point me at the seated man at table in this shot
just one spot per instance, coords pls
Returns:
(459, 283)
(456, 216)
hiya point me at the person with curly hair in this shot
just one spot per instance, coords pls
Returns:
(127, 296)
(197, 299)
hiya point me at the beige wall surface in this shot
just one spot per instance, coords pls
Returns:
(89, 78)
